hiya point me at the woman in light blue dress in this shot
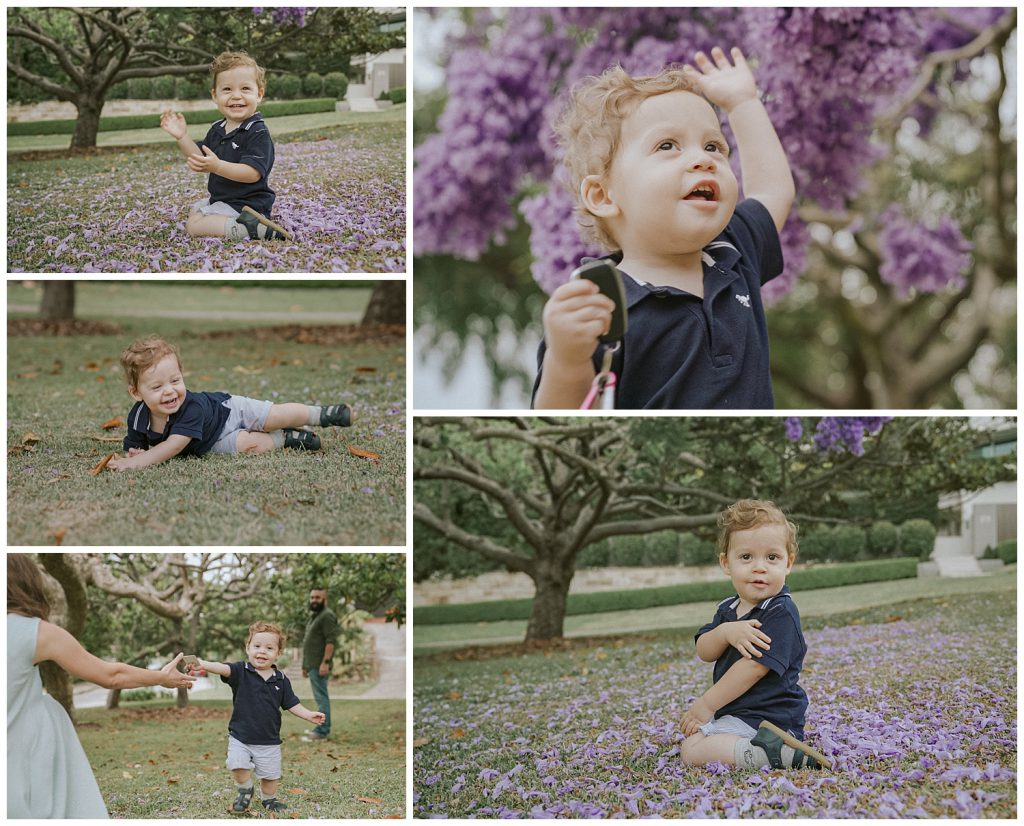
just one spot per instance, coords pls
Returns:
(48, 774)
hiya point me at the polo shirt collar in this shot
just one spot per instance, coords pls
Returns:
(735, 601)
(719, 254)
(248, 666)
(255, 117)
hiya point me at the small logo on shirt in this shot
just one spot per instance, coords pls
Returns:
(743, 299)
(234, 145)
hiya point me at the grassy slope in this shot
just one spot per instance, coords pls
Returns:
(812, 604)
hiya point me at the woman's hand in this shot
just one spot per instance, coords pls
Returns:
(174, 678)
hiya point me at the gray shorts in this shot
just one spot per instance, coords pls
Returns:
(204, 207)
(266, 760)
(245, 414)
(728, 725)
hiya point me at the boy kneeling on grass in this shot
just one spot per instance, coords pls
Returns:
(238, 154)
(753, 715)
(258, 693)
(167, 420)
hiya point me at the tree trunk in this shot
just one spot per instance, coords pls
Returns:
(114, 698)
(87, 125)
(547, 616)
(70, 607)
(58, 301)
(387, 304)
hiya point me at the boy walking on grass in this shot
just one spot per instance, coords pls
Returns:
(753, 715)
(168, 420)
(649, 169)
(258, 693)
(238, 154)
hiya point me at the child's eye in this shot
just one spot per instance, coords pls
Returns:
(717, 146)
(666, 145)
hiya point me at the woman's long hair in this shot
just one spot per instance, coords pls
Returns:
(26, 594)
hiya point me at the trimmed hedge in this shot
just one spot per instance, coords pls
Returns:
(602, 601)
(917, 538)
(1006, 551)
(118, 122)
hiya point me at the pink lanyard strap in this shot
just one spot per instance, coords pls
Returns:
(603, 382)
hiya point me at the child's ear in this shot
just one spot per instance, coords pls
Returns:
(597, 199)
(723, 561)
(134, 393)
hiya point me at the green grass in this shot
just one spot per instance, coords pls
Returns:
(165, 763)
(813, 605)
(282, 128)
(62, 389)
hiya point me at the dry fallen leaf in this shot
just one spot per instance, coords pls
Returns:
(115, 422)
(173, 779)
(421, 741)
(459, 732)
(30, 438)
(102, 463)
(297, 791)
(370, 799)
(454, 695)
(58, 535)
(126, 775)
(366, 454)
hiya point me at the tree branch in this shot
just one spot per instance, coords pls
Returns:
(478, 544)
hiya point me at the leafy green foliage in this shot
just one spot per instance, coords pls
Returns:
(917, 538)
(883, 538)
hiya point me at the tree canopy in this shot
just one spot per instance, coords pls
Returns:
(530, 493)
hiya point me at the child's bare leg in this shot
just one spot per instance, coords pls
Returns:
(268, 788)
(209, 226)
(697, 749)
(291, 414)
(243, 777)
(249, 441)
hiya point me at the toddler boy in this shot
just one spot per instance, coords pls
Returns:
(258, 693)
(237, 153)
(648, 165)
(167, 420)
(753, 715)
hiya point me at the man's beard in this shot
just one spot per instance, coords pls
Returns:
(316, 607)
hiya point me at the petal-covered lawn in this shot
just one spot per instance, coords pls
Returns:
(919, 714)
(341, 193)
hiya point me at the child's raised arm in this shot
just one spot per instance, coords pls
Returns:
(173, 123)
(766, 174)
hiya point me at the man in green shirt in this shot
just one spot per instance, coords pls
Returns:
(317, 650)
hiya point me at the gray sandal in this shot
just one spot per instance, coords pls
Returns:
(771, 738)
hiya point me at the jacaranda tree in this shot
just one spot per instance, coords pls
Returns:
(900, 255)
(530, 493)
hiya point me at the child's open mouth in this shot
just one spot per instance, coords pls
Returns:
(703, 192)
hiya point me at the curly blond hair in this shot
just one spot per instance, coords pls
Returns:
(264, 627)
(590, 128)
(753, 513)
(142, 354)
(226, 61)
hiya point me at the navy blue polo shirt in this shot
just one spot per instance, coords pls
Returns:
(256, 717)
(201, 417)
(250, 144)
(777, 696)
(683, 352)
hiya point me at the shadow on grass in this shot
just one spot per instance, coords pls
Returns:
(169, 763)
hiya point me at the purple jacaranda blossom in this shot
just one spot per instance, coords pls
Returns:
(343, 199)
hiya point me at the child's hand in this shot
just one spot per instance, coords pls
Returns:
(135, 451)
(317, 717)
(696, 716)
(574, 317)
(123, 462)
(173, 123)
(207, 162)
(745, 638)
(725, 85)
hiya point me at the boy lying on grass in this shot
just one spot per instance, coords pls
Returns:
(258, 693)
(167, 420)
(753, 715)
